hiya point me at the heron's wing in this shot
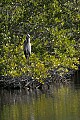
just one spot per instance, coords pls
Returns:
(24, 45)
(27, 49)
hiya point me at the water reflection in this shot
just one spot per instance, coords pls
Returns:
(58, 103)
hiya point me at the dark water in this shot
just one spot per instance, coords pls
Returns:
(58, 103)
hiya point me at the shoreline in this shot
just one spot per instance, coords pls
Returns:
(8, 82)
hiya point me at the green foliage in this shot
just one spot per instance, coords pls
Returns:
(54, 27)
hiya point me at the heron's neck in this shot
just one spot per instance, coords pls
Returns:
(28, 40)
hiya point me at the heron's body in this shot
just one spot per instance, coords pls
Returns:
(27, 47)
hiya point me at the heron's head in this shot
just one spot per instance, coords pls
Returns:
(28, 38)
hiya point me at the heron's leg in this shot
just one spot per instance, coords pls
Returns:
(28, 61)
(25, 54)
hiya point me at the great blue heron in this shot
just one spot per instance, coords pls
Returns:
(27, 47)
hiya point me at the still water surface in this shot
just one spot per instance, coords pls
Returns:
(58, 103)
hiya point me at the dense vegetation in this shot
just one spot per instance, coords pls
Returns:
(54, 27)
